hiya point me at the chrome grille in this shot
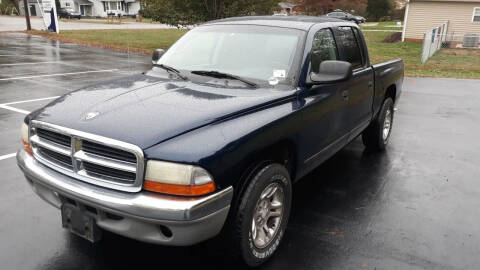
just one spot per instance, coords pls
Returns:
(87, 157)
(106, 151)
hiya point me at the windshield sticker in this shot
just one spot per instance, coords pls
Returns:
(273, 81)
(279, 73)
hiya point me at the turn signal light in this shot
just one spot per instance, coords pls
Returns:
(179, 189)
(25, 141)
(28, 148)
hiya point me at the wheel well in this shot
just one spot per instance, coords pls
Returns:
(282, 152)
(391, 92)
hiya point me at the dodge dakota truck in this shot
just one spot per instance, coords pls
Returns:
(211, 139)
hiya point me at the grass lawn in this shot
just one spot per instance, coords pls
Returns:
(143, 41)
(454, 63)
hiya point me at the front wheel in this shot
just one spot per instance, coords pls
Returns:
(376, 136)
(262, 215)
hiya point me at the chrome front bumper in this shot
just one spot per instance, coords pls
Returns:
(142, 215)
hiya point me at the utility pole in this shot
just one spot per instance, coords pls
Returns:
(27, 14)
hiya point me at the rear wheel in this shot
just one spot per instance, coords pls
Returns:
(261, 217)
(376, 136)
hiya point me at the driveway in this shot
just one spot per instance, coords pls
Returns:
(17, 23)
(415, 206)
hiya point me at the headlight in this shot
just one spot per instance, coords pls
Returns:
(25, 139)
(177, 179)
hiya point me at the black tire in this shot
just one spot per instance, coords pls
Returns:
(242, 219)
(373, 137)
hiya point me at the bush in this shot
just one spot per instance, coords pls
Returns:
(395, 37)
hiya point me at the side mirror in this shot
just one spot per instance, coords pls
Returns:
(156, 55)
(332, 71)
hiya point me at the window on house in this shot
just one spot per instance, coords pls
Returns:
(104, 6)
(476, 14)
(67, 4)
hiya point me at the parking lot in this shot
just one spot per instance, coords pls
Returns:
(415, 206)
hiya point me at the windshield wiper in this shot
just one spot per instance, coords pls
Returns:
(222, 75)
(171, 70)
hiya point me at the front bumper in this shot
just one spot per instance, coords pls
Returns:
(144, 216)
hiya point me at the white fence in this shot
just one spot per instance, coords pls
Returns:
(440, 38)
(432, 41)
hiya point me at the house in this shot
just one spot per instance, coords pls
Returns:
(97, 8)
(90, 8)
(33, 7)
(462, 18)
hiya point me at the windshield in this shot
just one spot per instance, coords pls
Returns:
(266, 54)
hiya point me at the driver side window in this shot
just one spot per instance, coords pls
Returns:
(323, 48)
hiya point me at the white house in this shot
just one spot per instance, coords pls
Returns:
(97, 8)
(33, 7)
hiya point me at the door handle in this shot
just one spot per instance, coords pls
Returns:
(345, 95)
(370, 84)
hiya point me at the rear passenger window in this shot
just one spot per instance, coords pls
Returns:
(363, 50)
(351, 49)
(323, 48)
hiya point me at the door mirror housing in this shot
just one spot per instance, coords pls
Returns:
(331, 72)
(156, 55)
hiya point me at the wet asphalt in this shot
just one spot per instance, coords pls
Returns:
(415, 206)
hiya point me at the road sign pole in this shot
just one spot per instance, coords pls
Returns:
(27, 14)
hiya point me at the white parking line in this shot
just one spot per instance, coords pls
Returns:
(8, 156)
(14, 55)
(58, 74)
(6, 107)
(30, 63)
(30, 100)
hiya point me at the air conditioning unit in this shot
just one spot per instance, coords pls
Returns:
(471, 41)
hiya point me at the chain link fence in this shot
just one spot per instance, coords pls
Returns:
(440, 38)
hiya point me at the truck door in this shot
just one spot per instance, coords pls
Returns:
(360, 89)
(323, 112)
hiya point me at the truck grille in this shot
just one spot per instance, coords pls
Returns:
(90, 158)
(107, 151)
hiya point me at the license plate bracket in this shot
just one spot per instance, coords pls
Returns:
(80, 222)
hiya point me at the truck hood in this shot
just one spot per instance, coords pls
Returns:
(145, 110)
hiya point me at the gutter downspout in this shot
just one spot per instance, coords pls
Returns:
(405, 21)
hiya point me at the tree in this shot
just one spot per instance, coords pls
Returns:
(321, 7)
(315, 7)
(188, 12)
(357, 7)
(377, 9)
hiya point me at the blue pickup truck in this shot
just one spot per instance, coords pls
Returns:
(211, 139)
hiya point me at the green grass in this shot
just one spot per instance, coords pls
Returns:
(140, 40)
(456, 63)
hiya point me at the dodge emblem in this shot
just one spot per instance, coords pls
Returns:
(91, 115)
